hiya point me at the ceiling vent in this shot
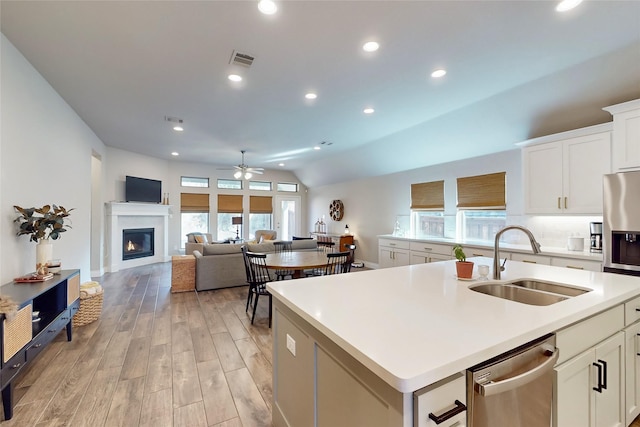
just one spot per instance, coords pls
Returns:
(172, 119)
(242, 59)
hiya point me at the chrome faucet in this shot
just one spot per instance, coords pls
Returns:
(535, 246)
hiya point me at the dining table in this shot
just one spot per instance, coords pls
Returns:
(296, 261)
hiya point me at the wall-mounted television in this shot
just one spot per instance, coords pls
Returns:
(142, 190)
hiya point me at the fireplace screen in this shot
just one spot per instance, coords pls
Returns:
(137, 243)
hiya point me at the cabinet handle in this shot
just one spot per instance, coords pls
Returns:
(439, 419)
(428, 249)
(559, 203)
(575, 266)
(637, 308)
(16, 366)
(392, 244)
(530, 262)
(604, 373)
(599, 387)
(477, 254)
(565, 202)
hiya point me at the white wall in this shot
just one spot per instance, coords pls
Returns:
(372, 204)
(45, 158)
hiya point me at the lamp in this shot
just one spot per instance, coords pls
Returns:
(346, 229)
(237, 221)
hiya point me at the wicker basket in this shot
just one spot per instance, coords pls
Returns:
(90, 309)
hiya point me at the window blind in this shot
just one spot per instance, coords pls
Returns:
(483, 191)
(428, 195)
(194, 202)
(260, 204)
(229, 203)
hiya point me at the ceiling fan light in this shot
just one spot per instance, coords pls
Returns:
(237, 174)
(248, 175)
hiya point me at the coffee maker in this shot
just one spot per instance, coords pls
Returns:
(596, 236)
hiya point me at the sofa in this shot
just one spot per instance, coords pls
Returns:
(197, 241)
(222, 266)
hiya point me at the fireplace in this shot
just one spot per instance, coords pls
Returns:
(137, 243)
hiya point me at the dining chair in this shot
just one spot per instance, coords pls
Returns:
(259, 277)
(283, 246)
(244, 250)
(338, 263)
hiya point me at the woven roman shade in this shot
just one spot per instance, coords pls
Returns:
(260, 204)
(194, 202)
(483, 191)
(229, 203)
(428, 195)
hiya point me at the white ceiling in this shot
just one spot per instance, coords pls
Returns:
(516, 69)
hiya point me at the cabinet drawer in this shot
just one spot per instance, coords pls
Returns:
(578, 264)
(16, 333)
(439, 398)
(11, 367)
(396, 244)
(577, 338)
(430, 248)
(631, 311)
(533, 259)
(471, 252)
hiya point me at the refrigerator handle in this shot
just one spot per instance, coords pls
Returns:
(492, 388)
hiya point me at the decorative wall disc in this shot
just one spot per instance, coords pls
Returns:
(336, 210)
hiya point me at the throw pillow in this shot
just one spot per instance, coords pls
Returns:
(199, 239)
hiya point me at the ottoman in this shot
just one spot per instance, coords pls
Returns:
(183, 273)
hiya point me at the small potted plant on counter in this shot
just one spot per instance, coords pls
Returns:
(464, 268)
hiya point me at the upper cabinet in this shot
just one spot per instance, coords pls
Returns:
(563, 172)
(626, 135)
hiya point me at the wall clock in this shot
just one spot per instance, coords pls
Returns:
(336, 210)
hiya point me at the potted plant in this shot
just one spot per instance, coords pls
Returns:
(464, 268)
(42, 224)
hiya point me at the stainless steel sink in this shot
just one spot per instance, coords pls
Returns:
(532, 292)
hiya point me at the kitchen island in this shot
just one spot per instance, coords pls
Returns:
(353, 348)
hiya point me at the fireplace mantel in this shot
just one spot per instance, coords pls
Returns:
(136, 215)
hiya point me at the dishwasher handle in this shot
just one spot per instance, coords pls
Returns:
(491, 388)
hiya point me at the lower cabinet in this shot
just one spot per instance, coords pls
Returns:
(632, 361)
(393, 253)
(589, 388)
(422, 253)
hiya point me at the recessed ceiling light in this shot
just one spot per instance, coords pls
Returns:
(438, 73)
(316, 147)
(175, 153)
(565, 5)
(370, 46)
(311, 95)
(268, 7)
(368, 111)
(178, 128)
(280, 164)
(235, 78)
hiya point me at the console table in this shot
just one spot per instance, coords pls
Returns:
(340, 241)
(21, 339)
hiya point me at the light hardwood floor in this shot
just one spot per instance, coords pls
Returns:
(154, 359)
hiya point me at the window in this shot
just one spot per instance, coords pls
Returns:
(194, 214)
(260, 214)
(190, 181)
(230, 184)
(285, 186)
(260, 185)
(427, 209)
(229, 206)
(481, 206)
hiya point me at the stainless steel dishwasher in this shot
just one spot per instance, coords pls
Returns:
(515, 388)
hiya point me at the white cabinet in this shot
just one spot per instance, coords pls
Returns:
(422, 252)
(442, 404)
(393, 253)
(531, 258)
(589, 388)
(632, 374)
(564, 176)
(626, 135)
(578, 264)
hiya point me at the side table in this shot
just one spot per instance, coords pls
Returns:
(183, 273)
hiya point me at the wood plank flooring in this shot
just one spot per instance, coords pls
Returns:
(154, 359)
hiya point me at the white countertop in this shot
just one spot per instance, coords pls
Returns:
(417, 324)
(508, 247)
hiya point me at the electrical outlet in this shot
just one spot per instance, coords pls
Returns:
(291, 345)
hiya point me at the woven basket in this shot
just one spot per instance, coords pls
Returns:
(90, 309)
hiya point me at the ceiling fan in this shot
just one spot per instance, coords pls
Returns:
(244, 171)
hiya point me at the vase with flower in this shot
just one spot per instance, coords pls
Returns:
(42, 224)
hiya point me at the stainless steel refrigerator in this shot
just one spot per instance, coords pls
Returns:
(621, 223)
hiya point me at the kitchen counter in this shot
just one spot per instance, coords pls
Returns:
(507, 247)
(414, 325)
